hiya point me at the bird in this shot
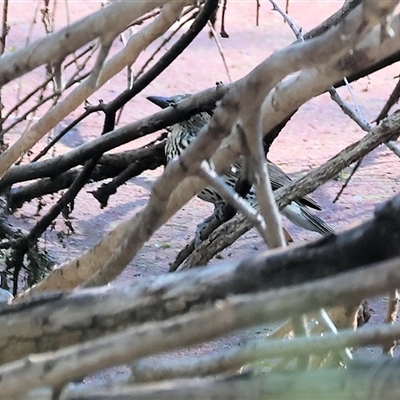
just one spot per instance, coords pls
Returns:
(183, 133)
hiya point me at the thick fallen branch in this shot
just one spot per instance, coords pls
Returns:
(59, 367)
(41, 323)
(244, 105)
(361, 380)
(147, 370)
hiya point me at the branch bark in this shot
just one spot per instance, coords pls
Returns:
(237, 312)
(360, 380)
(109, 166)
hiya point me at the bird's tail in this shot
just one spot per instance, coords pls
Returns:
(306, 219)
(320, 225)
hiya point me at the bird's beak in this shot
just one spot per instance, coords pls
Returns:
(162, 102)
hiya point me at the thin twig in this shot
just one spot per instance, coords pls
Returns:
(27, 41)
(214, 180)
(224, 33)
(348, 179)
(101, 58)
(221, 52)
(392, 100)
(139, 21)
(53, 213)
(164, 42)
(297, 31)
(345, 354)
(5, 28)
(103, 193)
(299, 324)
(391, 318)
(29, 111)
(134, 77)
(255, 157)
(4, 32)
(233, 229)
(45, 83)
(66, 130)
(26, 98)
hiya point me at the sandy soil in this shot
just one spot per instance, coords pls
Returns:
(317, 132)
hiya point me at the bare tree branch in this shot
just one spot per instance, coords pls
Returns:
(71, 363)
(109, 166)
(223, 361)
(130, 11)
(111, 20)
(362, 380)
(173, 294)
(226, 234)
(369, 53)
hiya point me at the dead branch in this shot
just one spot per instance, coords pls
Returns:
(360, 380)
(109, 124)
(386, 130)
(61, 366)
(108, 258)
(333, 20)
(130, 11)
(280, 101)
(146, 370)
(391, 317)
(230, 231)
(109, 166)
(392, 100)
(176, 49)
(168, 39)
(198, 102)
(171, 295)
(3, 38)
(357, 116)
(111, 20)
(114, 139)
(255, 159)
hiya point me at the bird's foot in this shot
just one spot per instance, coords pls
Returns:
(205, 228)
(200, 235)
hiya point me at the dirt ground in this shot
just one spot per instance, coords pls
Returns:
(317, 132)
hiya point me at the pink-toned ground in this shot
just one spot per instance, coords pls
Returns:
(317, 132)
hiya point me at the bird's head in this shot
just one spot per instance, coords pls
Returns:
(164, 102)
(186, 129)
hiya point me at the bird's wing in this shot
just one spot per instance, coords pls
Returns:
(304, 218)
(320, 225)
(280, 179)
